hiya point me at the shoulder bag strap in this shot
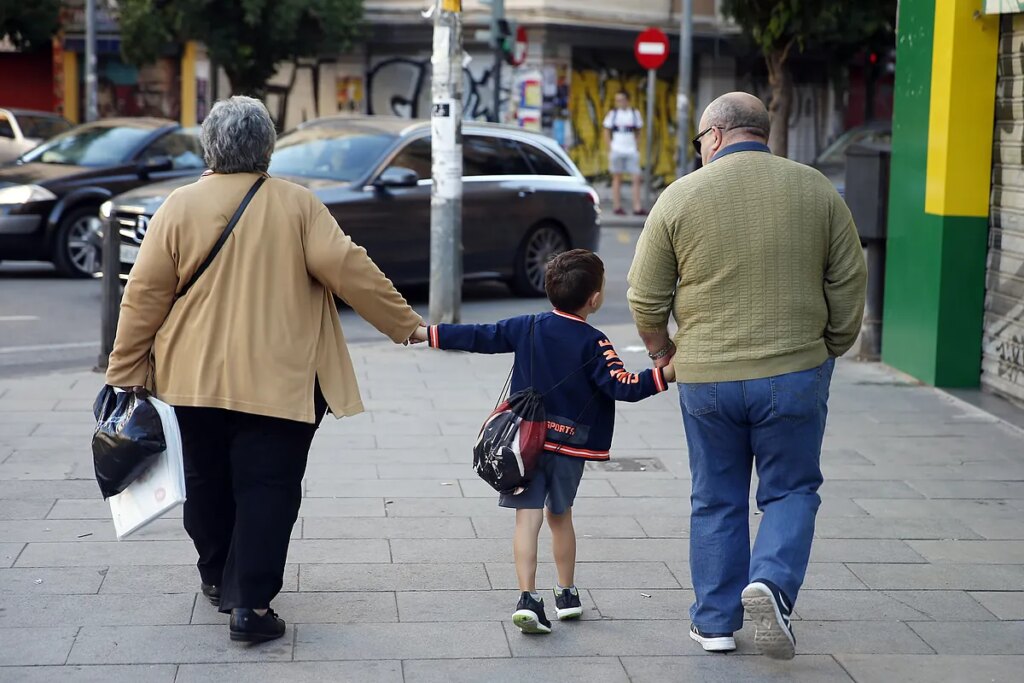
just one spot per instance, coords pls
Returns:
(223, 237)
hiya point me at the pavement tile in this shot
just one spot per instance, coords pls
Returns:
(490, 605)
(401, 488)
(309, 551)
(969, 577)
(330, 459)
(388, 527)
(397, 641)
(516, 670)
(94, 610)
(107, 554)
(607, 638)
(661, 488)
(438, 471)
(711, 669)
(975, 552)
(996, 529)
(64, 581)
(973, 637)
(853, 488)
(125, 673)
(858, 637)
(171, 645)
(831, 576)
(940, 605)
(586, 527)
(40, 490)
(9, 553)
(858, 550)
(445, 507)
(969, 489)
(591, 575)
(341, 507)
(318, 608)
(170, 579)
(35, 646)
(641, 604)
(77, 508)
(913, 528)
(393, 577)
(590, 487)
(40, 531)
(956, 509)
(340, 470)
(293, 672)
(500, 549)
(834, 605)
(1008, 606)
(932, 668)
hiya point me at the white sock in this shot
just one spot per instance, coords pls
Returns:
(536, 596)
(572, 589)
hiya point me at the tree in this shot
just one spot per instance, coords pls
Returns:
(29, 24)
(836, 28)
(247, 38)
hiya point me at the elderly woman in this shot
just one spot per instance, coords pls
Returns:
(252, 356)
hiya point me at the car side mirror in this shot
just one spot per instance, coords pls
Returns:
(396, 176)
(157, 164)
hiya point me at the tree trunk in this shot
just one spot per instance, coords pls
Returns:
(781, 82)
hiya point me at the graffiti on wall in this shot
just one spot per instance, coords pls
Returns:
(308, 88)
(400, 86)
(592, 96)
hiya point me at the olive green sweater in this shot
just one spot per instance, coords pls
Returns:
(759, 260)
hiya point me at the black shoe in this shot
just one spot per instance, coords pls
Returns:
(212, 594)
(713, 642)
(770, 611)
(567, 603)
(249, 627)
(529, 615)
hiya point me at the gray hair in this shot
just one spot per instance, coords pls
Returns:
(238, 136)
(739, 111)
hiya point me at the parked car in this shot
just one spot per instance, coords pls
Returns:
(832, 161)
(23, 129)
(50, 197)
(524, 200)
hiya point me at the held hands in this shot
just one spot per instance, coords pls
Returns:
(669, 372)
(419, 335)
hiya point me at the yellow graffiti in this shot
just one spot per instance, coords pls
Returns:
(592, 96)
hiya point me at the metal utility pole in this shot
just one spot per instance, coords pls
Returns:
(111, 301)
(497, 17)
(91, 101)
(652, 94)
(685, 87)
(446, 170)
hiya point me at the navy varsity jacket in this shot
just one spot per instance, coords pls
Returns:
(569, 353)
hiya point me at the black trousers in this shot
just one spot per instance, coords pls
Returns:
(243, 483)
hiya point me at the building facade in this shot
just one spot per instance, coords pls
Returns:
(954, 305)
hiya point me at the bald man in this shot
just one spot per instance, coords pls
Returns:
(759, 260)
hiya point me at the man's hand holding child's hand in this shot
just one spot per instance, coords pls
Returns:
(419, 336)
(669, 372)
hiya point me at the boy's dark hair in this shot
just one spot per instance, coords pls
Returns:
(572, 277)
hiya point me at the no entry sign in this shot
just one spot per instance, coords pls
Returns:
(651, 48)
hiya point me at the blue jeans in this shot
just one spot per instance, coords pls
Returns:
(776, 424)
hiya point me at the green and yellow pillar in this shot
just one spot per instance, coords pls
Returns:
(943, 126)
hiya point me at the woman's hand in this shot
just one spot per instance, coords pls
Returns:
(419, 336)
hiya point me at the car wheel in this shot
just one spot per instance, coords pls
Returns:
(74, 250)
(540, 245)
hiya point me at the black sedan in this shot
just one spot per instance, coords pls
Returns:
(523, 199)
(50, 197)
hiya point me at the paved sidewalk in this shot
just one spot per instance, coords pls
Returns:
(401, 568)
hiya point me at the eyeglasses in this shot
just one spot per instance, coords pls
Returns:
(696, 141)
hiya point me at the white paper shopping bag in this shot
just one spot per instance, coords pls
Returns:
(160, 488)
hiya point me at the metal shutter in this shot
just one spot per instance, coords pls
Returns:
(1003, 348)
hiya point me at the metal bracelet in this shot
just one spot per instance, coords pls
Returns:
(658, 355)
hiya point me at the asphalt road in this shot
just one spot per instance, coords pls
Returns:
(49, 323)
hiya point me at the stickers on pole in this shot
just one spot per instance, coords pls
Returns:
(447, 152)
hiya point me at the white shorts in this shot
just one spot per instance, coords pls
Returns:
(628, 162)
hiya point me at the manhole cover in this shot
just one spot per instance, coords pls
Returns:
(628, 465)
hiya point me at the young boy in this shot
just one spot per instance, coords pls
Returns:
(577, 370)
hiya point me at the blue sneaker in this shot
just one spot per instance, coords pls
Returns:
(770, 611)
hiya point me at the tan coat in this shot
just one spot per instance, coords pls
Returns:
(260, 325)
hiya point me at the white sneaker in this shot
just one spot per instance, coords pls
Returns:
(768, 609)
(713, 642)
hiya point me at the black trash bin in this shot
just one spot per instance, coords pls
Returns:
(867, 195)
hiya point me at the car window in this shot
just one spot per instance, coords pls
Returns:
(329, 153)
(415, 157)
(6, 130)
(541, 161)
(183, 149)
(42, 127)
(91, 145)
(485, 156)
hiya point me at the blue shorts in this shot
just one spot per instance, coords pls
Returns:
(554, 485)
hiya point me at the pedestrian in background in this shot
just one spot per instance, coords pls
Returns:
(622, 127)
(759, 260)
(252, 357)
